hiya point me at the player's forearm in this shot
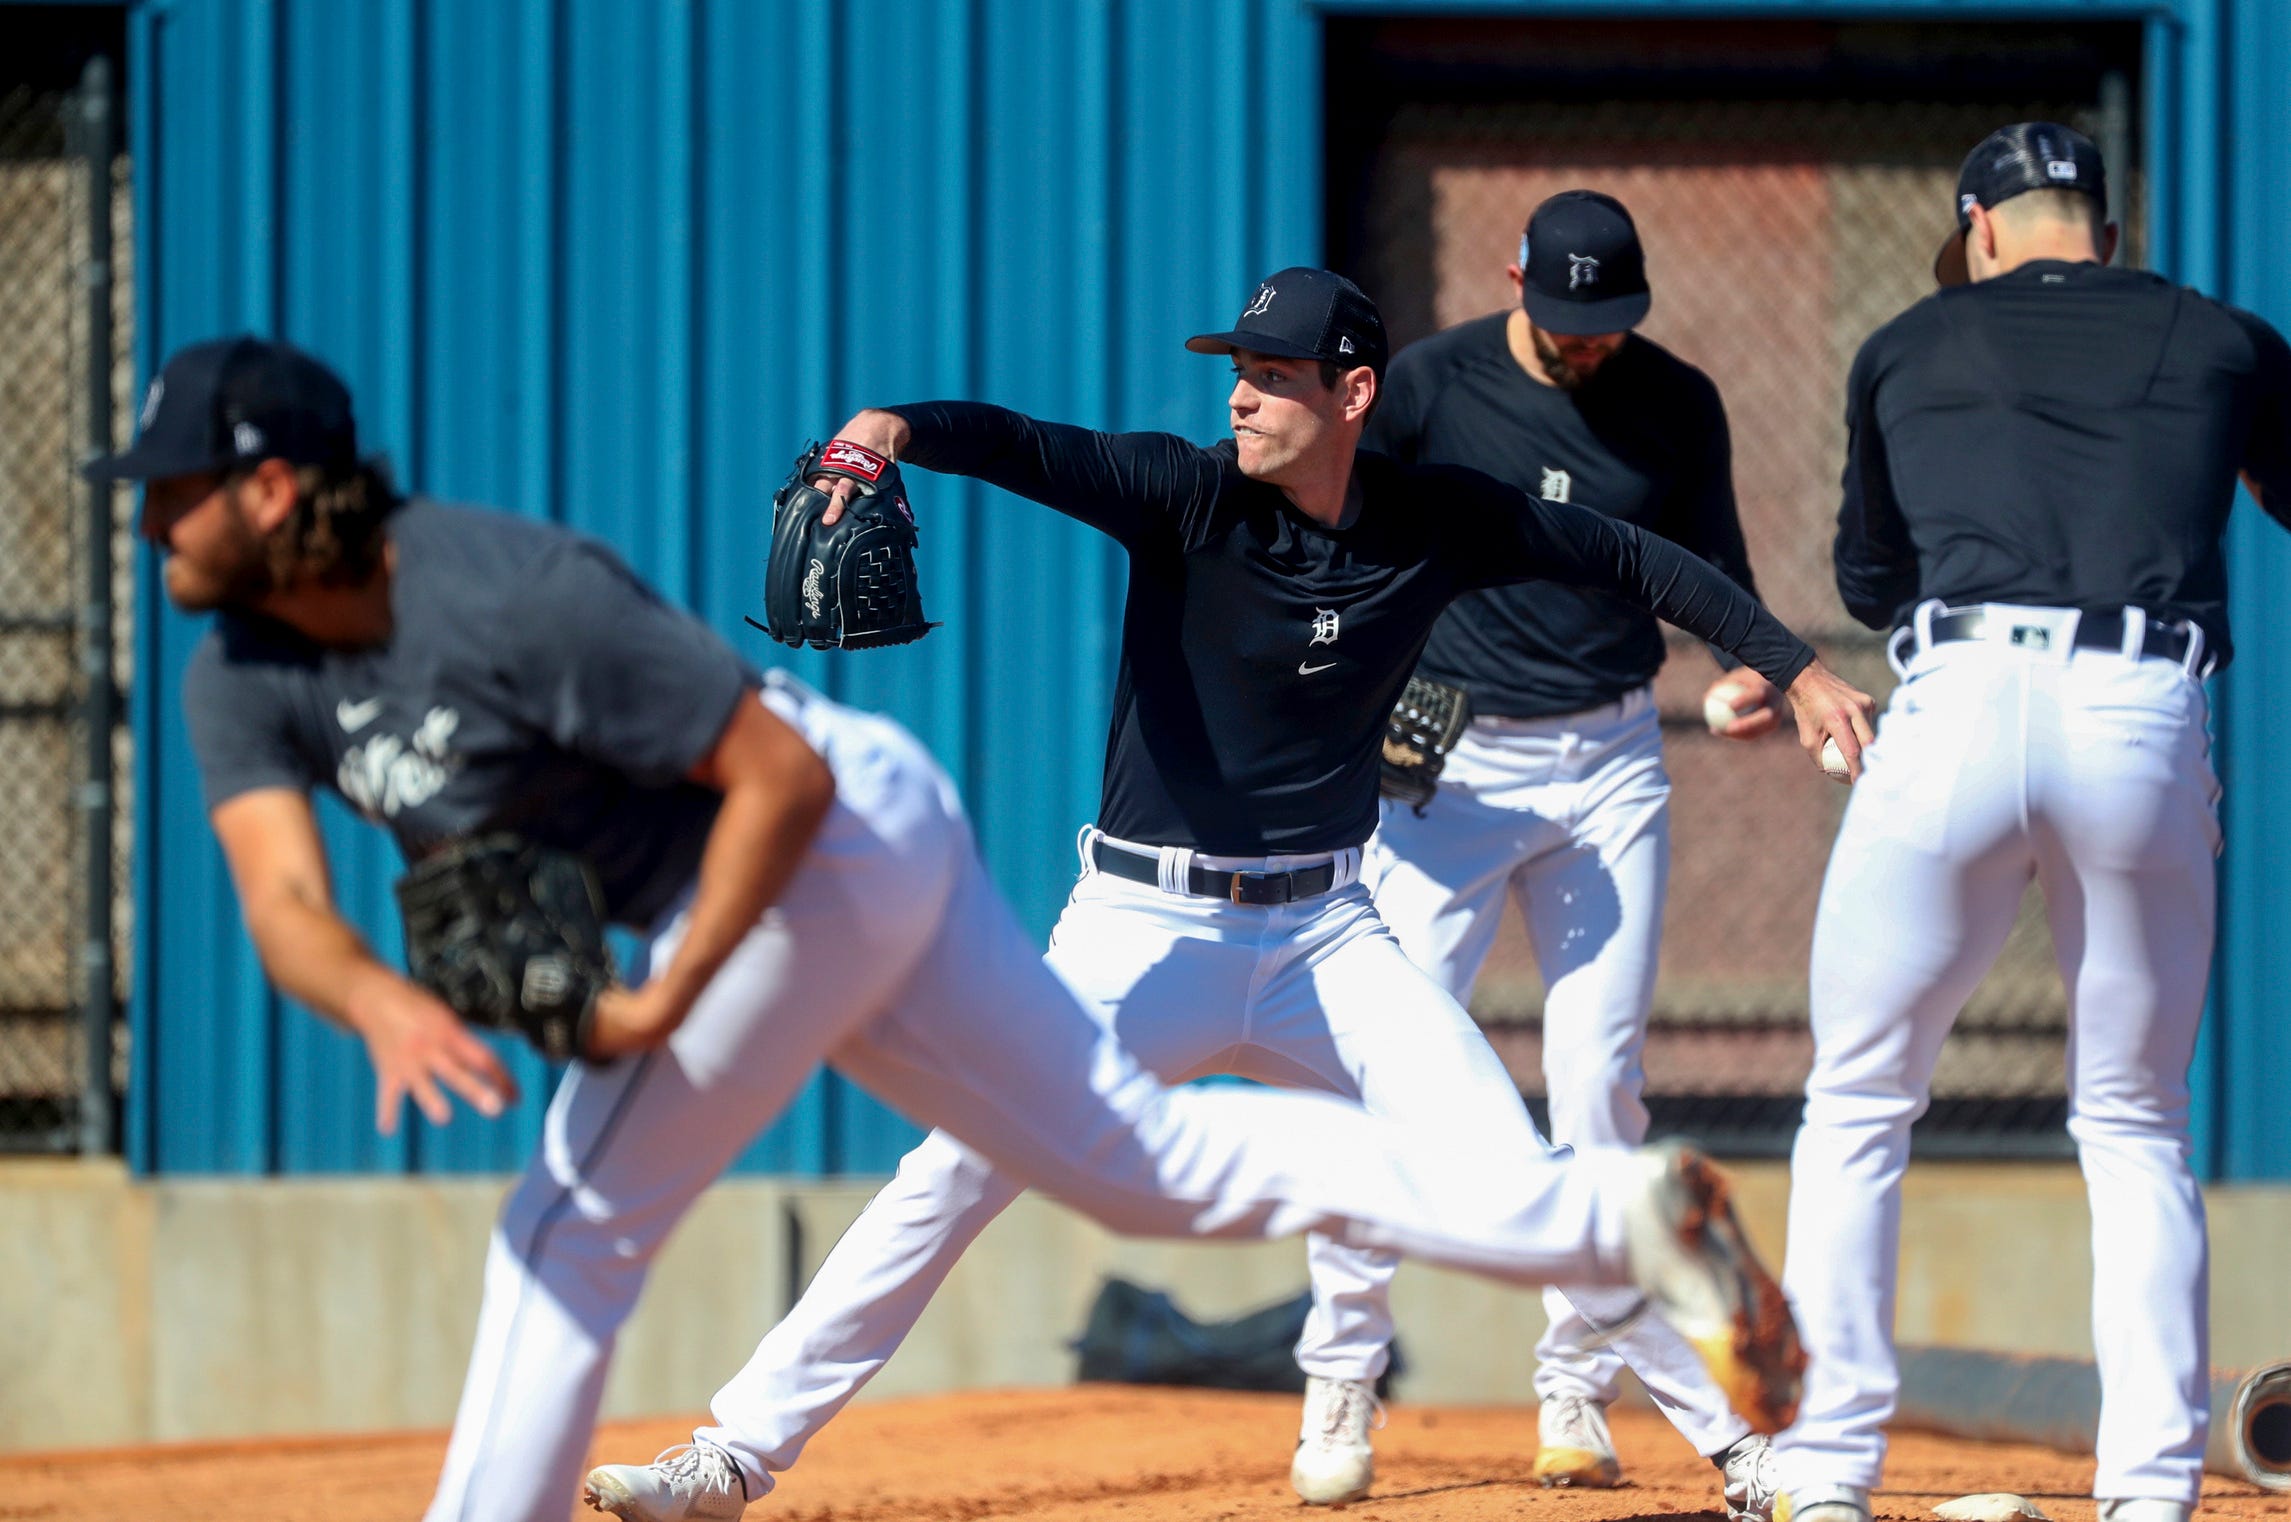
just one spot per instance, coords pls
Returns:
(315, 958)
(762, 832)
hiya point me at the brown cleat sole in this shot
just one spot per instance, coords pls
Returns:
(1758, 1362)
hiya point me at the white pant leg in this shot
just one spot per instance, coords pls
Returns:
(989, 1044)
(1923, 885)
(872, 1288)
(2126, 838)
(867, 1296)
(1345, 1010)
(1594, 912)
(1438, 879)
(626, 1148)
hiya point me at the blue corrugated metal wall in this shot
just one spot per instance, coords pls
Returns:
(610, 261)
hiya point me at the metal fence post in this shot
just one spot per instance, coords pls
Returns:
(95, 117)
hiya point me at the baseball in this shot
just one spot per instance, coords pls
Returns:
(1834, 761)
(1717, 712)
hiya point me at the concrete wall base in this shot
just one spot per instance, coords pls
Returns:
(140, 1312)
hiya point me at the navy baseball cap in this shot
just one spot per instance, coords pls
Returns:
(2025, 156)
(1582, 270)
(233, 402)
(1305, 313)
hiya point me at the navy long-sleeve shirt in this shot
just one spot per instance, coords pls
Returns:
(1262, 651)
(2064, 435)
(1643, 440)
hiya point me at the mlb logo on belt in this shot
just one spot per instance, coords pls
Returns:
(845, 455)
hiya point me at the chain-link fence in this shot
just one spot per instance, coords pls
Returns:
(1779, 234)
(63, 327)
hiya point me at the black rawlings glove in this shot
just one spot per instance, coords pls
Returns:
(852, 585)
(1426, 724)
(512, 936)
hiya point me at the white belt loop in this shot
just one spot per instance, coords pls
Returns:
(1176, 868)
(1893, 647)
(1082, 843)
(1347, 864)
(2197, 662)
(1922, 621)
(2135, 632)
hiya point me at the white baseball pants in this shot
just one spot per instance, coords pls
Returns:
(1312, 995)
(1997, 761)
(892, 956)
(1571, 816)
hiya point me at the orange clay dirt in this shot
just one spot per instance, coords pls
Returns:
(1092, 1451)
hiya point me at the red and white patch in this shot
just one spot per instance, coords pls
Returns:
(842, 454)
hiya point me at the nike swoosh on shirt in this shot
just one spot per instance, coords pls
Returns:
(1305, 670)
(356, 716)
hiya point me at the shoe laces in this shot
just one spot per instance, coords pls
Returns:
(1348, 1410)
(1575, 1423)
(1752, 1478)
(696, 1469)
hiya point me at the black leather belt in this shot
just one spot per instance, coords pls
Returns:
(1233, 887)
(2094, 631)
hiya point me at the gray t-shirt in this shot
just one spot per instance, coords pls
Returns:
(531, 683)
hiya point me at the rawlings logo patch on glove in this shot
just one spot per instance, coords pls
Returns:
(851, 585)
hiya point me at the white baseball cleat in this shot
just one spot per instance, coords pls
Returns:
(1823, 1503)
(1690, 1257)
(1576, 1447)
(1752, 1482)
(2145, 1510)
(692, 1482)
(1333, 1463)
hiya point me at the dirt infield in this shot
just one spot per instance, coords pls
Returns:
(1094, 1451)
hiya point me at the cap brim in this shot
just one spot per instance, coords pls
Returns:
(139, 464)
(1949, 267)
(1587, 319)
(1255, 343)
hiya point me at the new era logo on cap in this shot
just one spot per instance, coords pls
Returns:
(2012, 161)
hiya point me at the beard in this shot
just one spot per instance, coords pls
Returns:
(233, 572)
(1556, 365)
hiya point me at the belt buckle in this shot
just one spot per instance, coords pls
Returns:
(2031, 636)
(1234, 889)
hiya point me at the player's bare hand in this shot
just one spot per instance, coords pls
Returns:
(420, 1050)
(1755, 703)
(1831, 709)
(633, 1020)
(886, 433)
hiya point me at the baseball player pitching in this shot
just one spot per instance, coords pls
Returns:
(458, 674)
(1555, 794)
(1281, 588)
(2041, 460)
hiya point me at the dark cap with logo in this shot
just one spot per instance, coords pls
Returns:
(2025, 156)
(1304, 313)
(233, 402)
(1582, 270)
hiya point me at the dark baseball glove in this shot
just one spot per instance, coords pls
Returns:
(1426, 724)
(852, 585)
(512, 936)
